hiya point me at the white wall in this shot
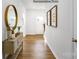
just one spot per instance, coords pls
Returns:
(34, 21)
(20, 11)
(60, 39)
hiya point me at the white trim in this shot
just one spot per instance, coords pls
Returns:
(50, 47)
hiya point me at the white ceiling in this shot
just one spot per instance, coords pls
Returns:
(29, 4)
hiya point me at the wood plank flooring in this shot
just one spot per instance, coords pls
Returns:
(34, 47)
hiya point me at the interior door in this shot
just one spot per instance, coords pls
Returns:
(74, 37)
(39, 25)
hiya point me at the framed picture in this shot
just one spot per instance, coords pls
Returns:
(54, 16)
(48, 17)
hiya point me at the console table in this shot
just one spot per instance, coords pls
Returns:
(12, 47)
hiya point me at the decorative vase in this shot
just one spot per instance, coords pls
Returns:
(9, 34)
(13, 35)
(19, 28)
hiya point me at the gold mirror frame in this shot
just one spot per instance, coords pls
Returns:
(6, 18)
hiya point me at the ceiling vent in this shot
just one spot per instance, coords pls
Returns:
(40, 1)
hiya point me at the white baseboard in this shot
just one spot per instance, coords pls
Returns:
(50, 47)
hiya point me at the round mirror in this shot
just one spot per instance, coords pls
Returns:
(11, 17)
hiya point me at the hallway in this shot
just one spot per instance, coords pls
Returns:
(34, 47)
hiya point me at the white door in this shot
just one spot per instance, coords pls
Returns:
(39, 25)
(74, 38)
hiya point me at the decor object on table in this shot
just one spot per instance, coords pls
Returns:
(19, 27)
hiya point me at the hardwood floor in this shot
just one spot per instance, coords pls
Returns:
(34, 47)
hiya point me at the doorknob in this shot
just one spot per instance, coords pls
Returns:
(74, 40)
